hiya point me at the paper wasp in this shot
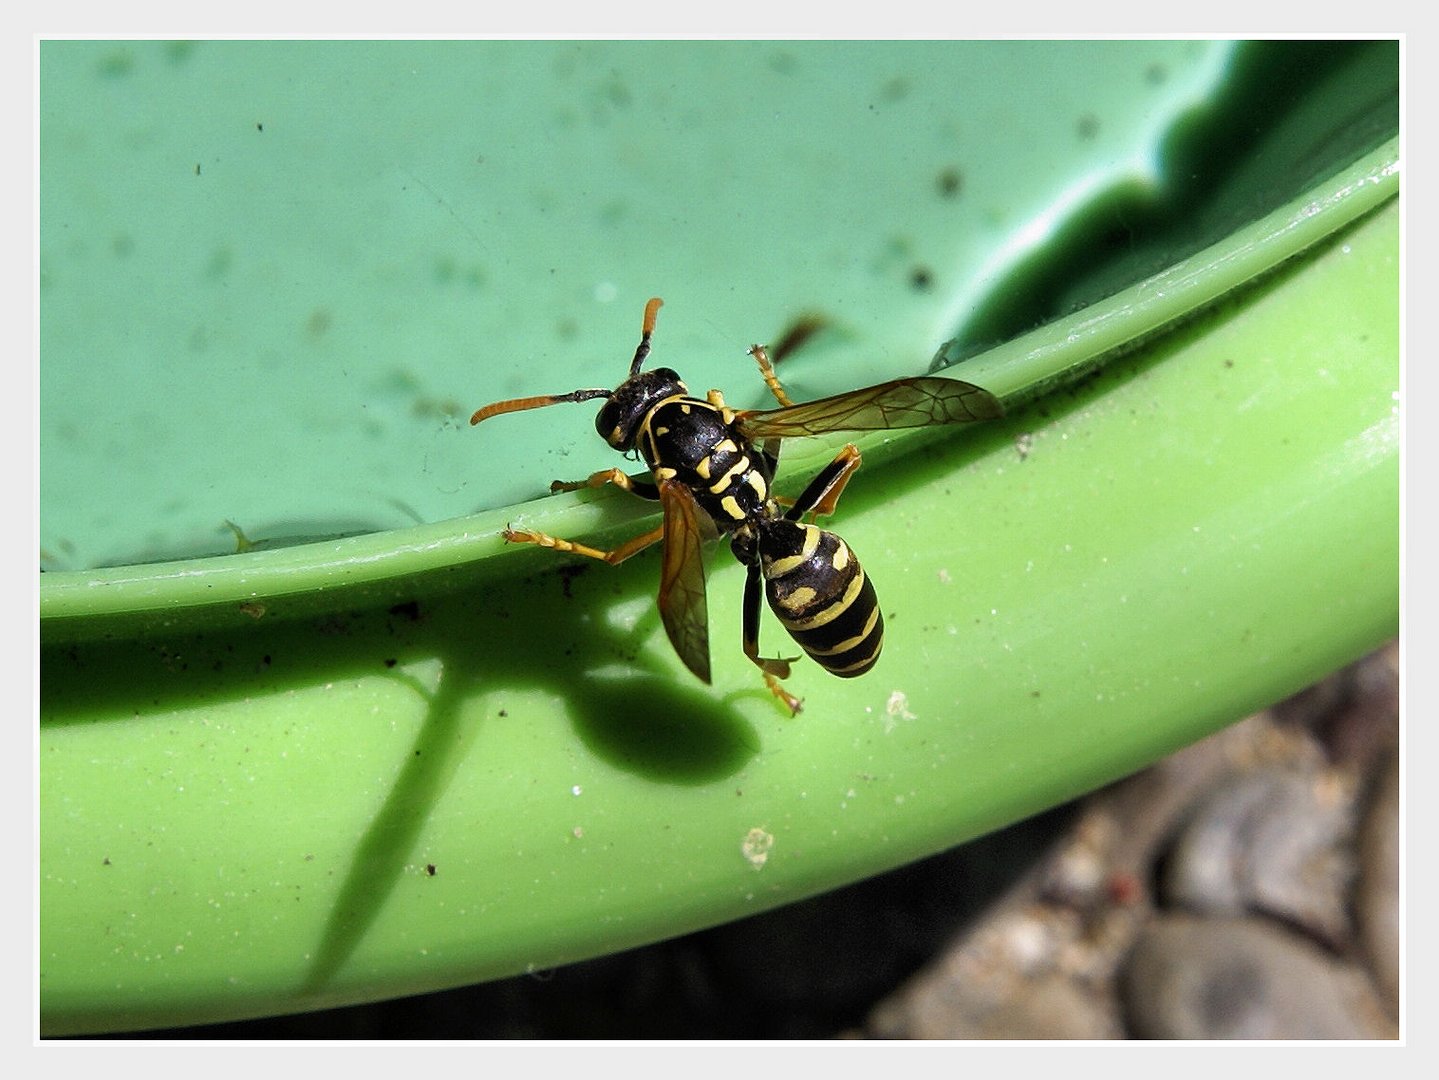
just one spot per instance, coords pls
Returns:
(711, 469)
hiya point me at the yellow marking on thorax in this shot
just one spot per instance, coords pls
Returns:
(724, 481)
(649, 431)
(724, 446)
(683, 399)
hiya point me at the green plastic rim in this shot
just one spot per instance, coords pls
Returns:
(429, 784)
(395, 563)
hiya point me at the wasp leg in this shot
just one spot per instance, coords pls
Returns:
(773, 669)
(822, 495)
(766, 369)
(614, 556)
(635, 485)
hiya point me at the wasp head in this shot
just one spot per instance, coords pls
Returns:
(619, 420)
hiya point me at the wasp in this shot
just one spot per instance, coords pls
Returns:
(711, 469)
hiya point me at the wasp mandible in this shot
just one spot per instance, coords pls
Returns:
(711, 469)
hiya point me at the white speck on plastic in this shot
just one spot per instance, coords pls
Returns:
(898, 705)
(756, 847)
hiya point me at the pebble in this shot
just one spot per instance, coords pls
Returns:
(1377, 898)
(1276, 840)
(1244, 978)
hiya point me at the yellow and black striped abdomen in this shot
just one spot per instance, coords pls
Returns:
(821, 595)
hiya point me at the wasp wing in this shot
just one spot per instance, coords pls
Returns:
(914, 402)
(682, 579)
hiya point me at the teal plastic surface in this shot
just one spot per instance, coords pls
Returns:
(276, 278)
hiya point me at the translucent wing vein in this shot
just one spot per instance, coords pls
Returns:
(915, 402)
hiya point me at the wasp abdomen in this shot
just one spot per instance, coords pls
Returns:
(822, 595)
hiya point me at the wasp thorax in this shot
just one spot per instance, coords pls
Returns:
(619, 421)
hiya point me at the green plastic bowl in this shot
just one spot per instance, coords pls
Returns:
(277, 277)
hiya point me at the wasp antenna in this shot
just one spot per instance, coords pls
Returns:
(498, 408)
(647, 328)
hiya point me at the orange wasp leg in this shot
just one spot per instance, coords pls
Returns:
(822, 495)
(614, 556)
(793, 704)
(618, 477)
(766, 369)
